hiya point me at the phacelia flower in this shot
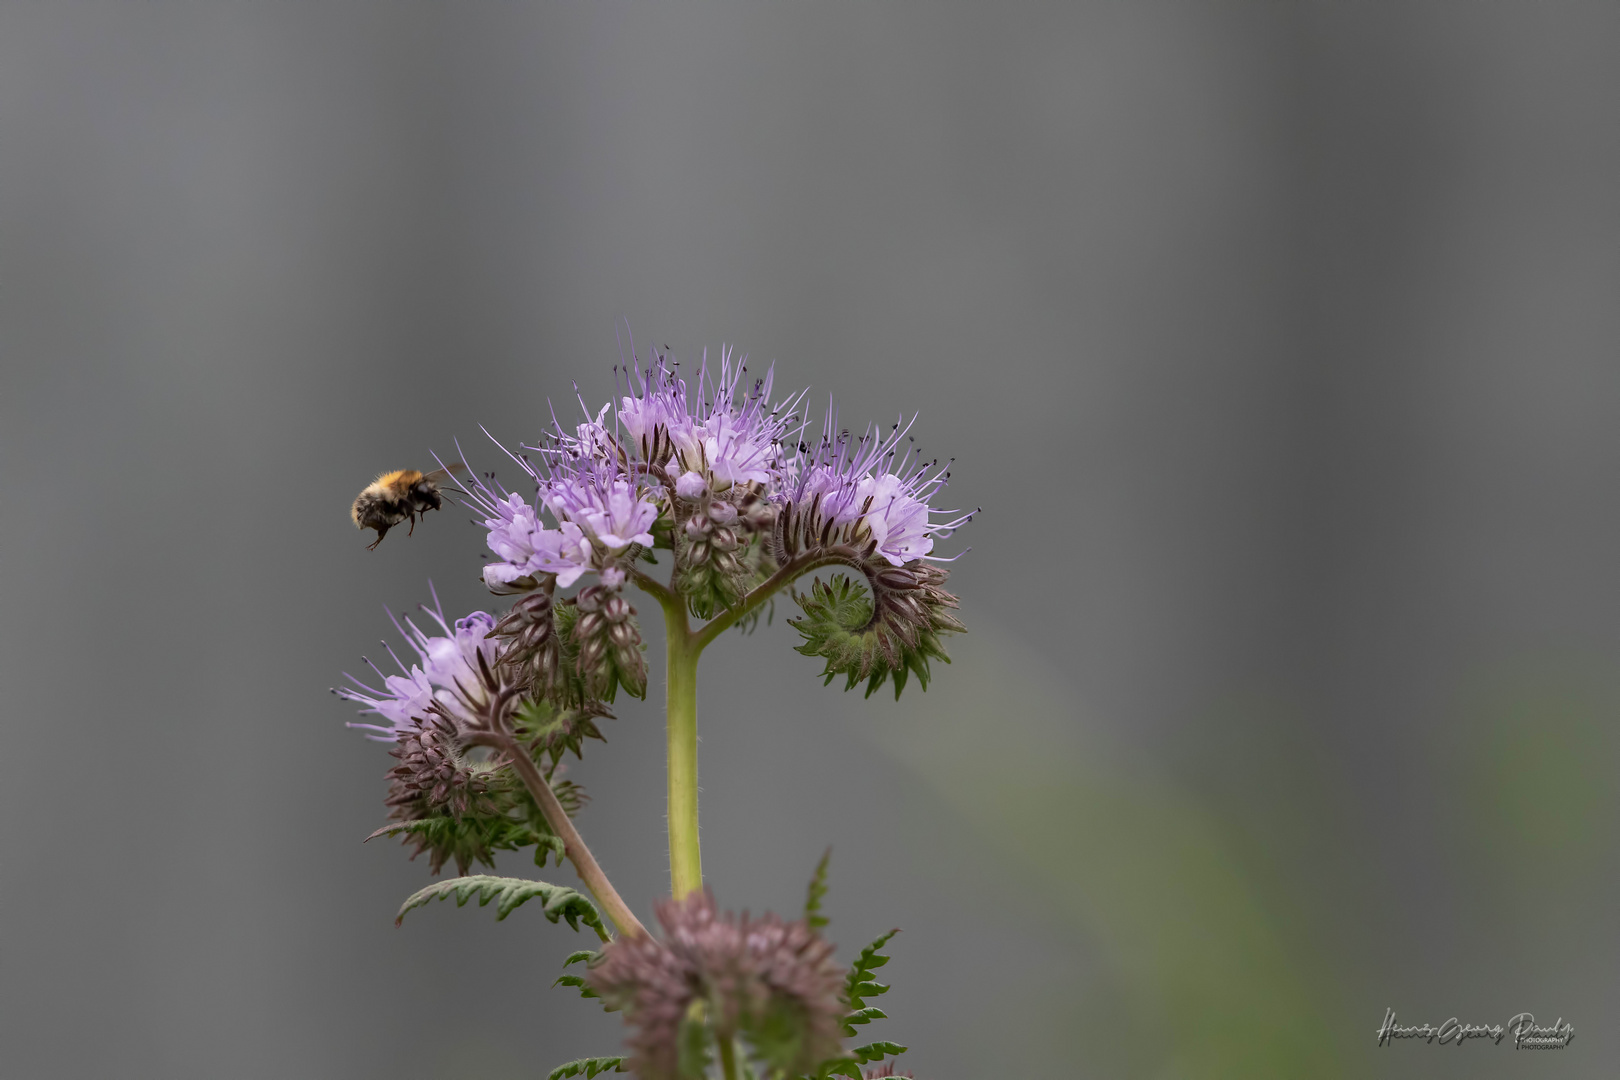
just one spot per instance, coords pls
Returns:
(721, 433)
(525, 549)
(609, 509)
(871, 494)
(760, 977)
(446, 663)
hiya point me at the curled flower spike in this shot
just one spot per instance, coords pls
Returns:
(444, 661)
(433, 775)
(773, 983)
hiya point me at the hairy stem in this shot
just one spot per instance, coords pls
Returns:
(793, 568)
(653, 587)
(685, 857)
(590, 872)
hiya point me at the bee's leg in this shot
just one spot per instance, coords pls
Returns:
(412, 531)
(382, 531)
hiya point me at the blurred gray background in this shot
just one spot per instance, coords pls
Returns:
(1277, 341)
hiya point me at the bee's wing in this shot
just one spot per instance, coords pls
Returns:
(440, 475)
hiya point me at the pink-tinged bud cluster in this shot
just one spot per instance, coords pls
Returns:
(445, 663)
(754, 975)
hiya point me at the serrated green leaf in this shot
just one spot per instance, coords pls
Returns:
(814, 895)
(858, 984)
(559, 902)
(866, 1016)
(578, 982)
(586, 955)
(548, 843)
(589, 1067)
(877, 1051)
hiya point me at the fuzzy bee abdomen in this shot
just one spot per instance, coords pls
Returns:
(373, 509)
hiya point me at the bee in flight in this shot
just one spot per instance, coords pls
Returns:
(395, 496)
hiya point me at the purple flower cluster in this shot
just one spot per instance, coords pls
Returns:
(445, 671)
(602, 486)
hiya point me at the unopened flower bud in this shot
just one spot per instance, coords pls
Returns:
(691, 485)
(609, 644)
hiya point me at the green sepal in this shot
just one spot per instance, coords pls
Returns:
(559, 901)
(587, 1067)
(549, 844)
(839, 626)
(469, 838)
(549, 731)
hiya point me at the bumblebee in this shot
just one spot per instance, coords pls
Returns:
(395, 496)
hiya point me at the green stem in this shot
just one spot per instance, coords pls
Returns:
(680, 703)
(590, 872)
(728, 1056)
(794, 568)
(685, 857)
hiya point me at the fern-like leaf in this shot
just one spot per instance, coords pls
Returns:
(859, 985)
(814, 895)
(877, 1051)
(578, 983)
(587, 1067)
(559, 901)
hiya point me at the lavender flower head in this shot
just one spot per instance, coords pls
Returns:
(525, 548)
(871, 493)
(722, 435)
(446, 669)
(608, 508)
